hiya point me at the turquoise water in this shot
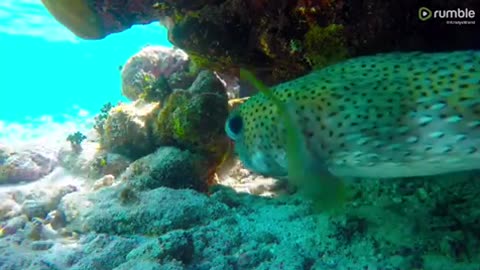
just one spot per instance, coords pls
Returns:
(48, 73)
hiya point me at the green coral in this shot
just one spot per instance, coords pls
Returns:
(76, 140)
(102, 117)
(325, 45)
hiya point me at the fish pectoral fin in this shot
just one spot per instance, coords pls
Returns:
(326, 191)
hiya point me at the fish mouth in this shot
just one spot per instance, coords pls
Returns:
(77, 16)
(259, 163)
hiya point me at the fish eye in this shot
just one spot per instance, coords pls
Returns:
(234, 126)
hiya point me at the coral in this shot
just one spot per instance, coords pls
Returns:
(154, 72)
(194, 122)
(76, 140)
(157, 91)
(101, 117)
(190, 119)
(168, 167)
(210, 62)
(325, 45)
(127, 130)
(257, 34)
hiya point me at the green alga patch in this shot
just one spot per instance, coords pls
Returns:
(212, 63)
(325, 45)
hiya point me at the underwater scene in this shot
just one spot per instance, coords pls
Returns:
(239, 134)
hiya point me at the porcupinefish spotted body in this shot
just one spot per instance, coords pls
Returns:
(383, 116)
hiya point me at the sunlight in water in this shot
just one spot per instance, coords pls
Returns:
(30, 18)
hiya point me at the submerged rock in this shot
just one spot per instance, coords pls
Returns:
(176, 245)
(194, 122)
(127, 130)
(38, 203)
(152, 212)
(13, 225)
(207, 82)
(26, 165)
(42, 245)
(143, 74)
(8, 206)
(93, 161)
(148, 265)
(107, 252)
(168, 167)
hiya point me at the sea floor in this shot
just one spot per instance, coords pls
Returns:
(68, 220)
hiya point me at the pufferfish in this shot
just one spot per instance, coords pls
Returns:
(383, 116)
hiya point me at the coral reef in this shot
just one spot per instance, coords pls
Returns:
(417, 223)
(274, 38)
(141, 193)
(179, 106)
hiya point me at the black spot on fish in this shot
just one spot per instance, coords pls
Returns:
(447, 149)
(471, 150)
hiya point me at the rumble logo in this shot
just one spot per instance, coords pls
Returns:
(424, 13)
(452, 16)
